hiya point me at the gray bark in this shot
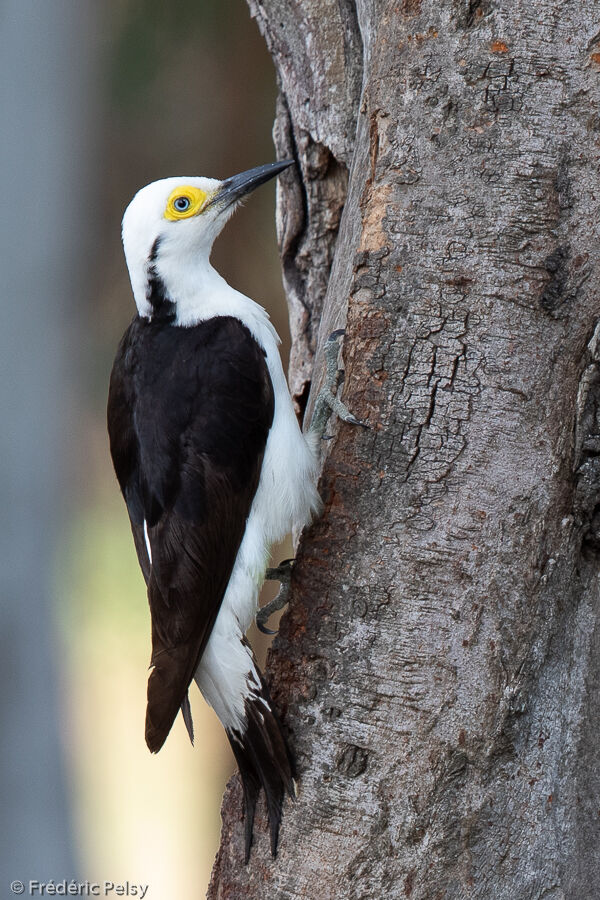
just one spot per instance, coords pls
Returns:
(438, 668)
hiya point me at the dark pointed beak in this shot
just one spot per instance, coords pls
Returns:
(236, 187)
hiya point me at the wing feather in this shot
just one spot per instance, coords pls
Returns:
(189, 414)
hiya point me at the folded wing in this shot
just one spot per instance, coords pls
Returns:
(189, 414)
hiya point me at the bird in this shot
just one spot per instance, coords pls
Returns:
(213, 467)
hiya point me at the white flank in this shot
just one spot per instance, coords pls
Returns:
(286, 498)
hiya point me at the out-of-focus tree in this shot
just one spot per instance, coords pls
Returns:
(188, 89)
(48, 54)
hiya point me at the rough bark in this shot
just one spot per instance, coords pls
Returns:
(438, 668)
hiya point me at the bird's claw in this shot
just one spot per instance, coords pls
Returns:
(327, 400)
(352, 420)
(263, 628)
(283, 574)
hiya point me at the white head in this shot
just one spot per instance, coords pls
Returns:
(169, 229)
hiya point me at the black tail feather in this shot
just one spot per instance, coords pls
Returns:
(186, 712)
(264, 761)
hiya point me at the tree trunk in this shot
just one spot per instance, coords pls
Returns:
(48, 68)
(438, 668)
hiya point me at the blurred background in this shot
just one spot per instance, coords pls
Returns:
(98, 99)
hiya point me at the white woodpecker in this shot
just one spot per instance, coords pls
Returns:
(213, 467)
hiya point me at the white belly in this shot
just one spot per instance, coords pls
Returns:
(286, 498)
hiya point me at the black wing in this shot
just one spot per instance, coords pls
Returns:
(189, 412)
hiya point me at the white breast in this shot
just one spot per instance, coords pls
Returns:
(286, 498)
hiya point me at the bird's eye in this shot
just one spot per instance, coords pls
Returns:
(185, 201)
(181, 204)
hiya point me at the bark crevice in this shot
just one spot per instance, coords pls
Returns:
(439, 665)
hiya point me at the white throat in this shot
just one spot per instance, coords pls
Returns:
(177, 255)
(193, 285)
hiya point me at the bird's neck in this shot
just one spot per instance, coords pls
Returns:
(192, 290)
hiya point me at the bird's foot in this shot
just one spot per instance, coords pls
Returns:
(283, 574)
(327, 400)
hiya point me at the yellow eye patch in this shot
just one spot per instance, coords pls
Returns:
(185, 201)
